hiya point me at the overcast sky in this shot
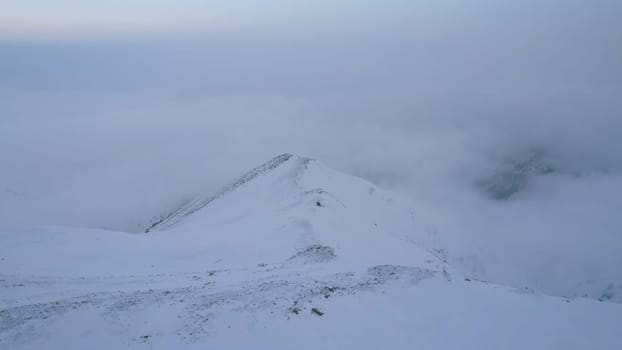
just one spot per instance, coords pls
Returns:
(113, 111)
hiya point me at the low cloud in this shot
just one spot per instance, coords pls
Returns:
(109, 133)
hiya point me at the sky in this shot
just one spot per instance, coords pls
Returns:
(78, 19)
(113, 111)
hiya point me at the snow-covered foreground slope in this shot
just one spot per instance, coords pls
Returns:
(292, 255)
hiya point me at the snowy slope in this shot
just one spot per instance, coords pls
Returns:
(292, 255)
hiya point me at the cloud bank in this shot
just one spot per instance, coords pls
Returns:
(427, 99)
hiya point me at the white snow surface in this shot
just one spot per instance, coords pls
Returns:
(292, 255)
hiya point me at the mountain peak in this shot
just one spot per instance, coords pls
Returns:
(297, 210)
(200, 202)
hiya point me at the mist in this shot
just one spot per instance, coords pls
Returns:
(430, 100)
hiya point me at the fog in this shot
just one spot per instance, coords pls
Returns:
(432, 100)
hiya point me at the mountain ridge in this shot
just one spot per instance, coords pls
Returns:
(200, 202)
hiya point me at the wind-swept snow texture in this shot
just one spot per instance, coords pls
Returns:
(292, 255)
(199, 203)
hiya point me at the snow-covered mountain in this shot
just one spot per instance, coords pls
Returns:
(291, 255)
